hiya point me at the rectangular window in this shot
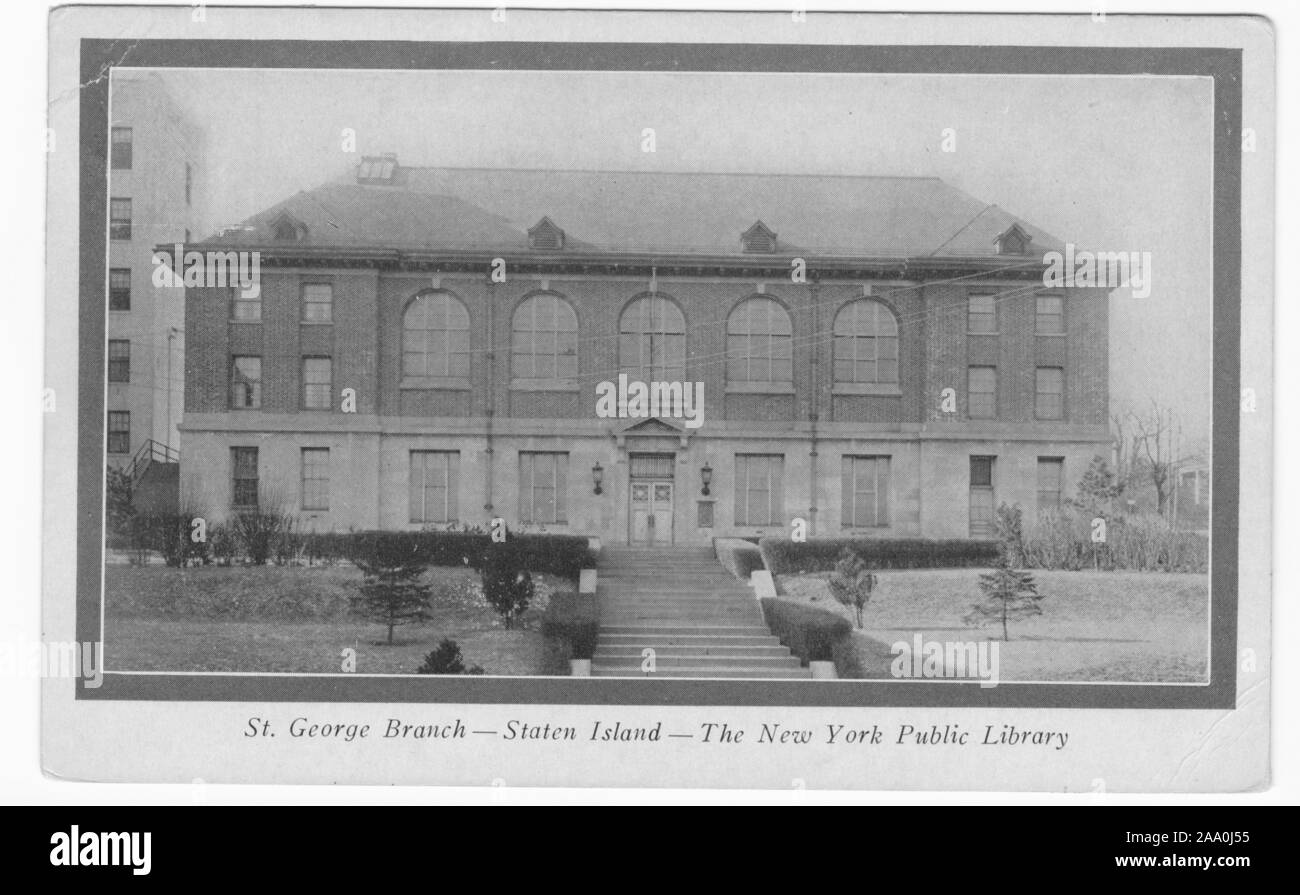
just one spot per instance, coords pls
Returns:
(982, 393)
(119, 360)
(1049, 319)
(1049, 393)
(982, 313)
(119, 289)
(245, 310)
(243, 478)
(315, 478)
(119, 218)
(543, 481)
(317, 385)
(246, 383)
(759, 493)
(1050, 474)
(317, 303)
(435, 477)
(981, 497)
(121, 149)
(864, 492)
(119, 431)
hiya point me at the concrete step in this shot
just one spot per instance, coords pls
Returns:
(766, 673)
(677, 600)
(680, 630)
(685, 573)
(662, 616)
(684, 603)
(639, 642)
(633, 650)
(669, 589)
(720, 662)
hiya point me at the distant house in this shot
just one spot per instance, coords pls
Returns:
(878, 357)
(1190, 507)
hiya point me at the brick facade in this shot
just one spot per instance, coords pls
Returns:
(489, 421)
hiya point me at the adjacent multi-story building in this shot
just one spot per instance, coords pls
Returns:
(877, 356)
(155, 160)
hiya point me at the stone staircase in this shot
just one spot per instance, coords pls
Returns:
(698, 618)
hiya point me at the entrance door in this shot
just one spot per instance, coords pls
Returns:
(652, 513)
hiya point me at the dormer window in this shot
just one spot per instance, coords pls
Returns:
(287, 228)
(377, 169)
(546, 236)
(1013, 241)
(758, 239)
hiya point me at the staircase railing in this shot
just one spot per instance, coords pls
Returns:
(149, 453)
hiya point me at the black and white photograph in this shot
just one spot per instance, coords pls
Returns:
(659, 375)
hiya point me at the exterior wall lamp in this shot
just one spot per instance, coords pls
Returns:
(706, 476)
(597, 474)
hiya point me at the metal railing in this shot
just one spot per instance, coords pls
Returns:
(149, 453)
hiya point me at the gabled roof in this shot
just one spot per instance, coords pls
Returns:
(482, 209)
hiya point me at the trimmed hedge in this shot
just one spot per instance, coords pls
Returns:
(812, 634)
(573, 620)
(562, 555)
(740, 558)
(786, 557)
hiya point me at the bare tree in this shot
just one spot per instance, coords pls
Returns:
(1156, 442)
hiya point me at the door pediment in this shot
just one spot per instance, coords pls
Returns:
(654, 434)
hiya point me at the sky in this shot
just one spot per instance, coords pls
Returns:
(1105, 162)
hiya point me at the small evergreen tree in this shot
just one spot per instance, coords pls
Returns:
(852, 583)
(446, 658)
(507, 585)
(1097, 490)
(1009, 595)
(391, 594)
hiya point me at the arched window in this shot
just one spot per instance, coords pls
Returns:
(544, 339)
(866, 343)
(759, 343)
(652, 340)
(435, 337)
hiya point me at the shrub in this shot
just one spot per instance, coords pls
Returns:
(573, 620)
(224, 544)
(170, 534)
(786, 557)
(1062, 539)
(391, 594)
(445, 658)
(507, 583)
(851, 584)
(561, 555)
(119, 511)
(259, 531)
(1009, 523)
(741, 558)
(812, 634)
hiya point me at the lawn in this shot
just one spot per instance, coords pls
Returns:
(1095, 626)
(296, 619)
